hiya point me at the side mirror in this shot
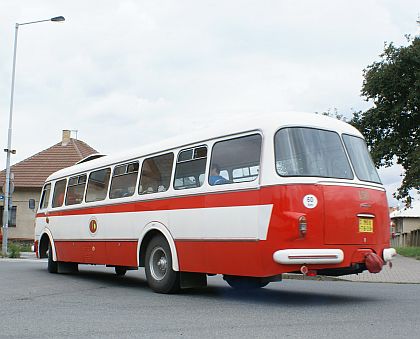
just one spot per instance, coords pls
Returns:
(31, 204)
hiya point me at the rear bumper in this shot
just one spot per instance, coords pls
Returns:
(308, 256)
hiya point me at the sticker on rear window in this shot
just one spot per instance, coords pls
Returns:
(310, 201)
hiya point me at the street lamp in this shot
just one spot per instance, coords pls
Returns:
(9, 150)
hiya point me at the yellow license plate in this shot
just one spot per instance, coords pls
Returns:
(365, 225)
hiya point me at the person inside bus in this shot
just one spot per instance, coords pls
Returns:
(215, 178)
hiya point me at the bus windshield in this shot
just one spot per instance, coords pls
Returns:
(310, 152)
(360, 158)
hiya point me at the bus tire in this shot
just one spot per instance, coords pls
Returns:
(52, 265)
(120, 271)
(158, 266)
(245, 283)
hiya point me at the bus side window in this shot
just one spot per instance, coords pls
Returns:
(235, 160)
(190, 168)
(97, 188)
(45, 197)
(124, 178)
(59, 190)
(76, 190)
(156, 174)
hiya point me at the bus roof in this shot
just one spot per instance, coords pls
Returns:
(229, 126)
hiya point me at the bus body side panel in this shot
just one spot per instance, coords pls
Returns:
(114, 253)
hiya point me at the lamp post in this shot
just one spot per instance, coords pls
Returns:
(8, 150)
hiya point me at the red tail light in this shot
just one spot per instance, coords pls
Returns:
(302, 226)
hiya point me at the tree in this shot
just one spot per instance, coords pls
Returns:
(392, 126)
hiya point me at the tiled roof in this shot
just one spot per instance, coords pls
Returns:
(412, 212)
(33, 171)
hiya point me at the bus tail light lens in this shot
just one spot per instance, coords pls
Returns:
(302, 226)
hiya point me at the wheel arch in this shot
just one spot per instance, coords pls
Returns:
(46, 238)
(152, 229)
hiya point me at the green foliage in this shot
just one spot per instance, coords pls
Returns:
(14, 250)
(392, 126)
(413, 252)
(333, 114)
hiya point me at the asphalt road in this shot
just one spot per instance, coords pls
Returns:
(95, 303)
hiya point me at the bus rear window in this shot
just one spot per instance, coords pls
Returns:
(310, 152)
(360, 158)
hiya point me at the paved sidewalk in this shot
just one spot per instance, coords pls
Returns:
(404, 271)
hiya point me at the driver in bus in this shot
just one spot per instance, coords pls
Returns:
(215, 178)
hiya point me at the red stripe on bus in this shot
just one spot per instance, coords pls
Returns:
(243, 198)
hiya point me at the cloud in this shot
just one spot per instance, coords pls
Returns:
(129, 72)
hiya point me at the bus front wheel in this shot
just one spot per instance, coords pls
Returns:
(52, 265)
(245, 283)
(158, 265)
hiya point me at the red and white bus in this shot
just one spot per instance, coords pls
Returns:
(250, 201)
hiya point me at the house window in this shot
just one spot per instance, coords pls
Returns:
(12, 216)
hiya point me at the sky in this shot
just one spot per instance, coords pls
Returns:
(126, 73)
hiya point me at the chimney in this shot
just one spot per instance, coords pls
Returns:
(66, 137)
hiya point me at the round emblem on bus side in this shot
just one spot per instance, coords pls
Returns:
(93, 226)
(310, 201)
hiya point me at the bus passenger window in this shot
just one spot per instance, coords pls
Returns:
(190, 168)
(156, 174)
(124, 180)
(59, 190)
(235, 160)
(75, 190)
(45, 197)
(98, 185)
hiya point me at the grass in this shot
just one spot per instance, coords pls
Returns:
(412, 252)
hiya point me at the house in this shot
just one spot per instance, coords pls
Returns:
(29, 176)
(406, 222)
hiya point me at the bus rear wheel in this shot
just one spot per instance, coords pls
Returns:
(158, 265)
(52, 265)
(245, 283)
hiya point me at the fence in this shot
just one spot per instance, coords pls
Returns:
(407, 239)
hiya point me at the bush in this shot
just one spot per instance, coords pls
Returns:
(14, 250)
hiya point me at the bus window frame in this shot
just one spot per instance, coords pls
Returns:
(126, 164)
(65, 192)
(110, 168)
(192, 148)
(244, 184)
(78, 176)
(41, 201)
(146, 195)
